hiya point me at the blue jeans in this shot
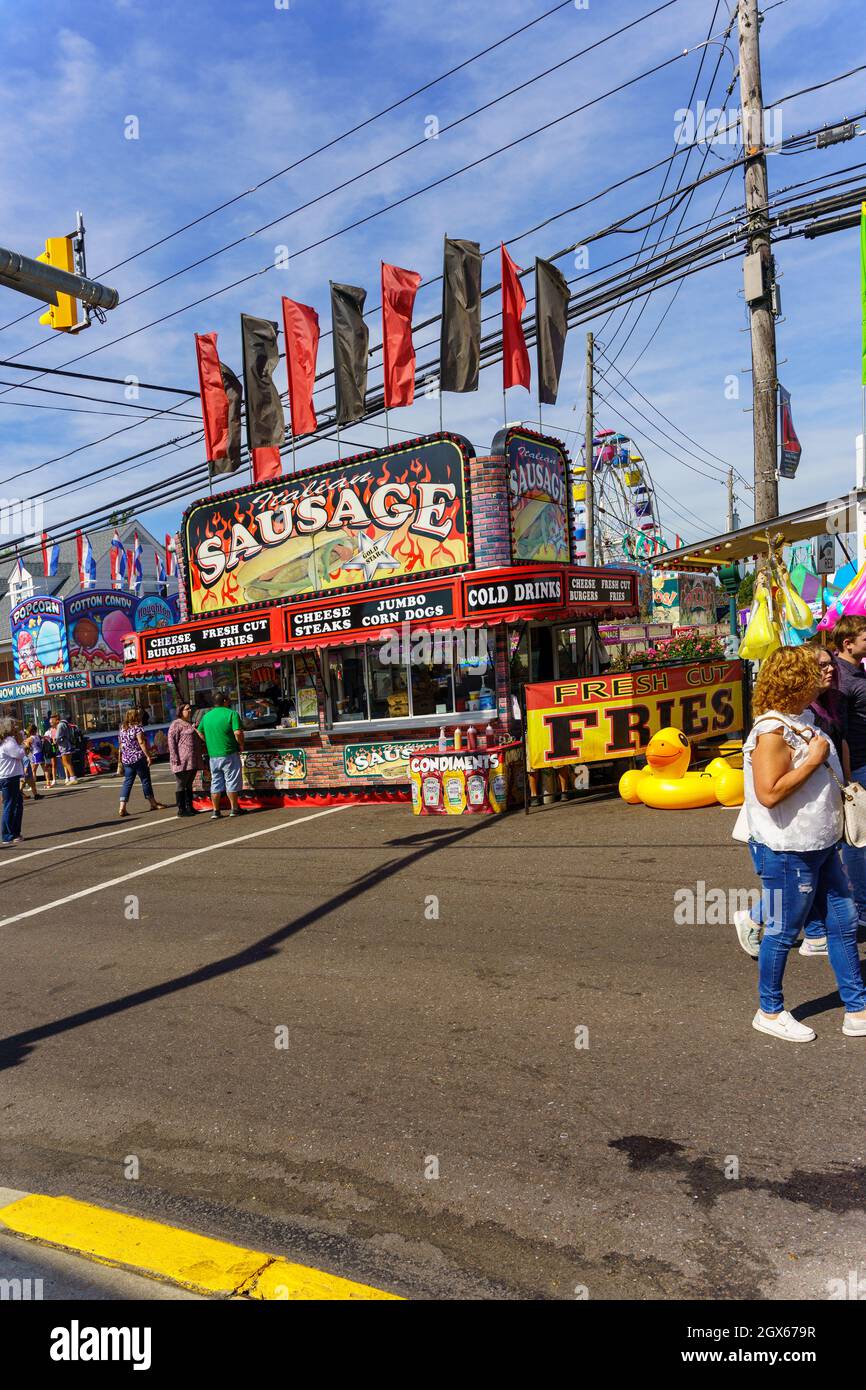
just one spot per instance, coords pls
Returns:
(13, 808)
(814, 930)
(795, 886)
(130, 772)
(855, 859)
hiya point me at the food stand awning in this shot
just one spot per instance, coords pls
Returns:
(478, 598)
(833, 517)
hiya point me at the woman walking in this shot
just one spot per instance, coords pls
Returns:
(793, 810)
(133, 760)
(12, 762)
(829, 713)
(185, 757)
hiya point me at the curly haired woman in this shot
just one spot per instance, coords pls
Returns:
(793, 810)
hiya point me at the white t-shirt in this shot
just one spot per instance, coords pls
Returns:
(811, 817)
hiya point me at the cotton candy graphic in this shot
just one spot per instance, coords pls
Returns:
(114, 629)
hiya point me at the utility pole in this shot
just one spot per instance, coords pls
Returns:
(758, 266)
(590, 482)
(730, 500)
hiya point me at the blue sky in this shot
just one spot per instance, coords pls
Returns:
(229, 91)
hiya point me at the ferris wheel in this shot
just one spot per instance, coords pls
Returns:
(627, 521)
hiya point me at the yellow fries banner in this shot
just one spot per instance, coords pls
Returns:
(591, 719)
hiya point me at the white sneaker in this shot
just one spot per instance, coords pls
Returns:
(749, 933)
(854, 1027)
(813, 946)
(784, 1026)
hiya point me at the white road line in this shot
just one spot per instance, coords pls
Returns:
(7, 861)
(164, 863)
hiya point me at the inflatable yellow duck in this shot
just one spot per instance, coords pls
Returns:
(666, 783)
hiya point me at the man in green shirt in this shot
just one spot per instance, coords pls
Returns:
(222, 733)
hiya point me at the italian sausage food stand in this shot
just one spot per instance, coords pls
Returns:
(357, 612)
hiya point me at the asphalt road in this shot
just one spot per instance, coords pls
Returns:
(288, 1035)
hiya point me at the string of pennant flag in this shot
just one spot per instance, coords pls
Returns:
(222, 393)
(127, 566)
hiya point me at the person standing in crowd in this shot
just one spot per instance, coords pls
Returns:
(185, 757)
(48, 755)
(12, 763)
(63, 747)
(133, 760)
(34, 744)
(793, 813)
(221, 731)
(849, 639)
(28, 786)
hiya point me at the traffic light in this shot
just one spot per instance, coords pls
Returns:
(59, 253)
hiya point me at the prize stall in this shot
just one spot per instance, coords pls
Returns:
(361, 613)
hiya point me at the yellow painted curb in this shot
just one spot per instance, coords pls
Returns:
(283, 1280)
(166, 1252)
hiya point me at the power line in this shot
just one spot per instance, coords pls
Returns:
(389, 207)
(329, 144)
(86, 376)
(667, 420)
(491, 353)
(670, 163)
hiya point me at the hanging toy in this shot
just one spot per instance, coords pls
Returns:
(762, 635)
(796, 613)
(850, 602)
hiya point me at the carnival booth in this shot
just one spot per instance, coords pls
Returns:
(362, 612)
(68, 658)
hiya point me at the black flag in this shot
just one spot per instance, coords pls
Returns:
(351, 341)
(231, 462)
(460, 347)
(266, 423)
(551, 311)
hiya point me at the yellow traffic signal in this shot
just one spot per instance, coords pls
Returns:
(63, 315)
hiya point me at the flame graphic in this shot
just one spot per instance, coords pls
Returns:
(410, 551)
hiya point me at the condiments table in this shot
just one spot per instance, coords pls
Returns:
(466, 782)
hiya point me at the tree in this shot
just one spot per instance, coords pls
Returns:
(746, 591)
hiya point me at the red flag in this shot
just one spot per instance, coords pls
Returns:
(399, 288)
(170, 560)
(266, 463)
(301, 327)
(214, 401)
(515, 358)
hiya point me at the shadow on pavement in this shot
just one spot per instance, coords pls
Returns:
(15, 1048)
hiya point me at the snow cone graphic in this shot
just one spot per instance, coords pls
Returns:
(27, 660)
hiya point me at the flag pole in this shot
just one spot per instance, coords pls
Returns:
(339, 449)
(387, 429)
(441, 426)
(504, 408)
